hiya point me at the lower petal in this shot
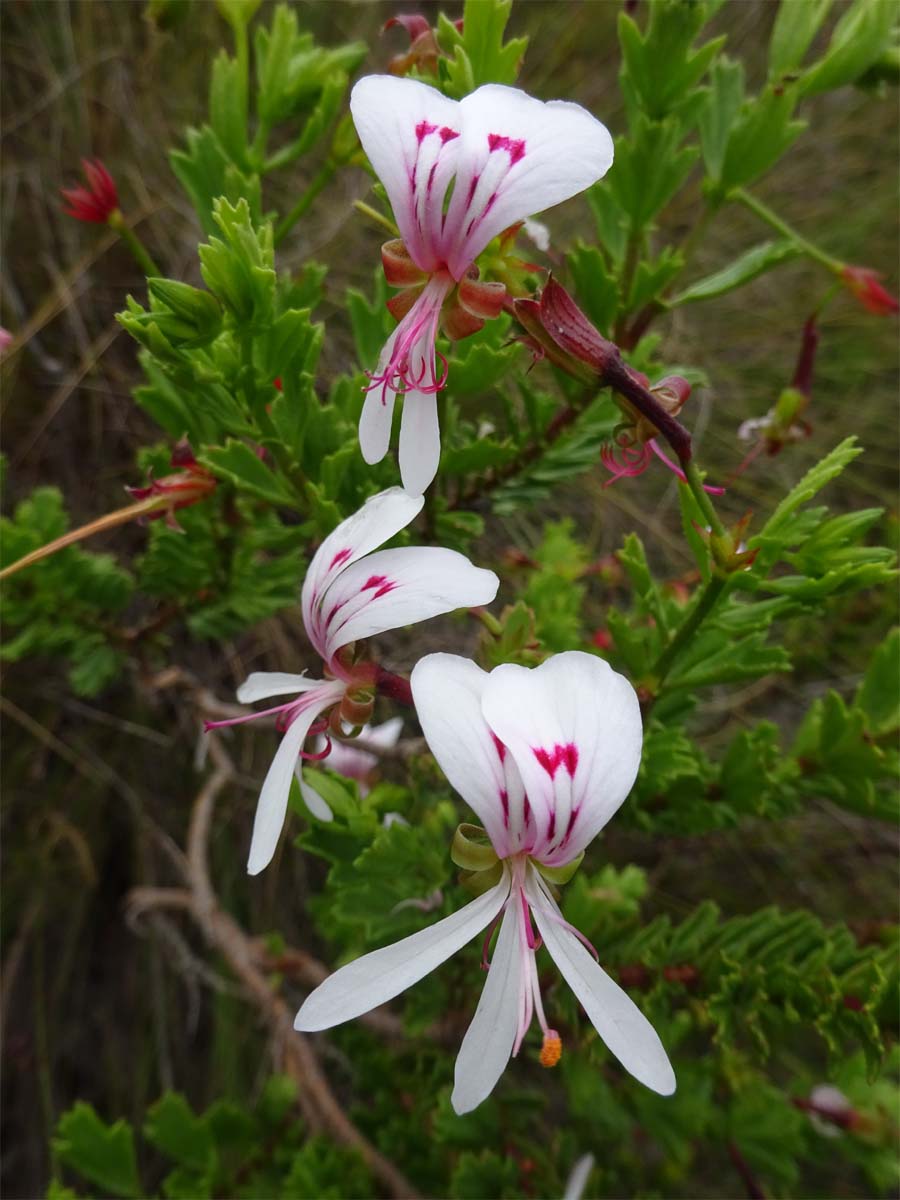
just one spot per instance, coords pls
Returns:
(489, 1041)
(420, 441)
(319, 808)
(375, 423)
(621, 1024)
(380, 976)
(273, 799)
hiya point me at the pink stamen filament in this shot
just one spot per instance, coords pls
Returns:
(265, 712)
(492, 929)
(317, 756)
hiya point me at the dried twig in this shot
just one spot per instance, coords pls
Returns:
(320, 1108)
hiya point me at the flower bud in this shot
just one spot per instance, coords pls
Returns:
(866, 286)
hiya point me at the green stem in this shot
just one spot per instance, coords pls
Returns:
(322, 179)
(689, 244)
(772, 218)
(241, 50)
(695, 483)
(247, 380)
(712, 593)
(139, 251)
(258, 149)
(632, 258)
(374, 215)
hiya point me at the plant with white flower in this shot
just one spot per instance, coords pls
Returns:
(457, 174)
(544, 757)
(350, 594)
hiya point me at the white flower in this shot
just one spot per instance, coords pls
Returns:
(457, 174)
(349, 594)
(544, 757)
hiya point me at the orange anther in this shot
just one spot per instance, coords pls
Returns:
(551, 1051)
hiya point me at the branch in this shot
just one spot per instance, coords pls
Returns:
(320, 1108)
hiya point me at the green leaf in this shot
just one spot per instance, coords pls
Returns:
(661, 67)
(747, 267)
(878, 695)
(713, 659)
(174, 1129)
(796, 24)
(828, 468)
(649, 168)
(480, 55)
(484, 1174)
(718, 115)
(228, 107)
(484, 454)
(611, 221)
(205, 172)
(761, 136)
(652, 277)
(238, 268)
(858, 40)
(769, 1132)
(238, 13)
(236, 462)
(103, 1154)
(596, 288)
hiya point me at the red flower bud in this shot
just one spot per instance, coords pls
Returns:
(97, 201)
(865, 285)
(423, 49)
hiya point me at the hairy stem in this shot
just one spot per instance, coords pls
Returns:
(323, 177)
(772, 218)
(713, 591)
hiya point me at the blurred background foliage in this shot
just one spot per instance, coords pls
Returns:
(746, 893)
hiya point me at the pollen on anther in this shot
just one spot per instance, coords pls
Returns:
(551, 1051)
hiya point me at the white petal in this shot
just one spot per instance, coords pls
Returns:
(382, 516)
(311, 798)
(384, 736)
(276, 788)
(377, 416)
(395, 588)
(572, 700)
(447, 692)
(388, 114)
(262, 684)
(560, 150)
(349, 760)
(420, 441)
(378, 977)
(618, 1020)
(489, 1040)
(577, 1181)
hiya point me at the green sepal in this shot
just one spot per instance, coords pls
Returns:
(479, 882)
(472, 849)
(559, 875)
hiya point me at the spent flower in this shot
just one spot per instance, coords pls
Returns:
(350, 593)
(96, 202)
(457, 174)
(544, 757)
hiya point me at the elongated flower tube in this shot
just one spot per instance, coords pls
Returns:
(457, 174)
(544, 757)
(349, 594)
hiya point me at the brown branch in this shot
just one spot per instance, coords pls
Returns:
(317, 1102)
(754, 1188)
